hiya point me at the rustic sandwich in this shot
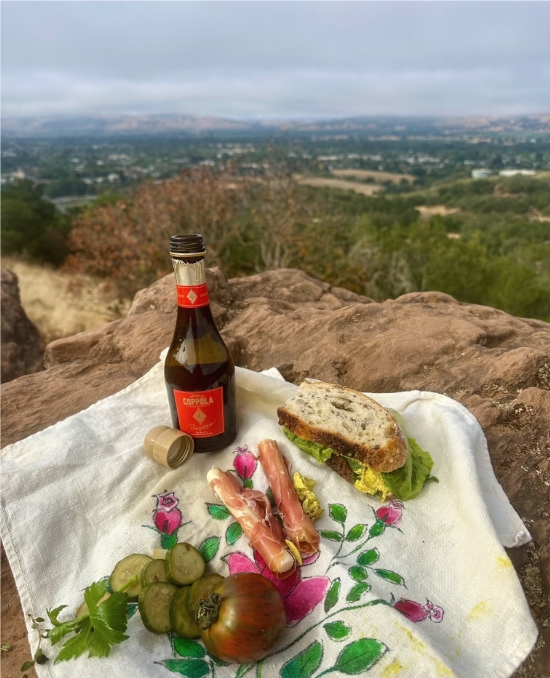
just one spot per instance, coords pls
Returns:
(358, 438)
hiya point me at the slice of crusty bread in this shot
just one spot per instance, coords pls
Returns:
(349, 422)
(341, 466)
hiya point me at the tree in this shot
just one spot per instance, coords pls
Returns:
(32, 226)
(278, 215)
(127, 241)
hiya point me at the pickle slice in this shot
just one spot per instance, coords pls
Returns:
(152, 572)
(182, 622)
(200, 589)
(124, 570)
(183, 564)
(154, 606)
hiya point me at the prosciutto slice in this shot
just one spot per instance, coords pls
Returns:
(252, 511)
(298, 526)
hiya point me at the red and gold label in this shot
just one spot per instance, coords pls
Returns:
(193, 296)
(200, 413)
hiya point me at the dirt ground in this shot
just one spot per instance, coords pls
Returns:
(61, 306)
(380, 177)
(427, 211)
(14, 632)
(537, 216)
(322, 182)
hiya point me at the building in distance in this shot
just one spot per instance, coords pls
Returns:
(481, 174)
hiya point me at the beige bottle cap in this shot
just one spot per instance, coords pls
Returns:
(168, 446)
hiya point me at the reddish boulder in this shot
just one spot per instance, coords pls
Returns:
(22, 347)
(497, 365)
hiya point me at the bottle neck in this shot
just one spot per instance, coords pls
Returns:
(189, 273)
(191, 283)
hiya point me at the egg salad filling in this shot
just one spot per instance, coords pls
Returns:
(304, 490)
(367, 480)
(404, 483)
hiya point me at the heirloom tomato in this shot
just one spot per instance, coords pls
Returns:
(242, 619)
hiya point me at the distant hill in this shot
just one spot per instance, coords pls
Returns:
(116, 125)
(395, 127)
(380, 127)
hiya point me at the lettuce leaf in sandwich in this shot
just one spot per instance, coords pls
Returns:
(404, 483)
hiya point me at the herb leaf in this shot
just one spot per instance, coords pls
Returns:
(54, 614)
(61, 630)
(94, 593)
(98, 630)
(109, 621)
(76, 645)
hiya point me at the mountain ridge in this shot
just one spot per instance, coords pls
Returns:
(105, 125)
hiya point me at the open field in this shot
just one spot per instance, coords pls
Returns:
(537, 216)
(60, 305)
(380, 177)
(427, 211)
(68, 202)
(322, 182)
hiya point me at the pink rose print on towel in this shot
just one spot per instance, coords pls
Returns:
(300, 596)
(167, 518)
(416, 612)
(391, 513)
(245, 464)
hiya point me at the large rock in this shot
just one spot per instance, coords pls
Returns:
(22, 347)
(496, 365)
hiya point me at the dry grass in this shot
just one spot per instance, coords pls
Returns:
(427, 211)
(379, 177)
(321, 182)
(61, 305)
(537, 216)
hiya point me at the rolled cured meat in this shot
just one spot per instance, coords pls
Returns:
(252, 510)
(298, 526)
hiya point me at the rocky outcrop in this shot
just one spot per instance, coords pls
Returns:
(22, 347)
(497, 365)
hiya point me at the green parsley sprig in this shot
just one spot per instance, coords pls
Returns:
(96, 631)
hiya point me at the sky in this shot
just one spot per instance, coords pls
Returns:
(275, 60)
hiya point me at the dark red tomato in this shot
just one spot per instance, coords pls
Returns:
(243, 618)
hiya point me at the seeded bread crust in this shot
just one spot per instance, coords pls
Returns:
(342, 468)
(323, 413)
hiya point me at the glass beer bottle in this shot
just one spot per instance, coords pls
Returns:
(199, 371)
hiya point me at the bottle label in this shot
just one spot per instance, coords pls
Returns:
(193, 296)
(200, 413)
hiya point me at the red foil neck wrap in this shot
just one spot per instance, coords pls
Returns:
(192, 296)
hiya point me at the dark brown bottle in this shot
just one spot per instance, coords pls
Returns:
(199, 371)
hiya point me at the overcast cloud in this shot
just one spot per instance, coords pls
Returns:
(275, 59)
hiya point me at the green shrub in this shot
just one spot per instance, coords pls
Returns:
(32, 226)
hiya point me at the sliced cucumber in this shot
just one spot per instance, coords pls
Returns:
(83, 609)
(183, 564)
(182, 622)
(154, 606)
(152, 572)
(200, 589)
(124, 570)
(159, 554)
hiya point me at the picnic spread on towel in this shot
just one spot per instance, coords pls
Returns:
(416, 588)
